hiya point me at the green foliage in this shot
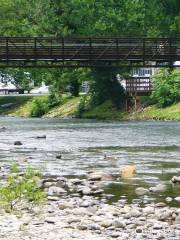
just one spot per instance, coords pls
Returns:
(39, 107)
(54, 100)
(153, 112)
(166, 87)
(21, 188)
(107, 110)
(83, 105)
(72, 18)
(105, 86)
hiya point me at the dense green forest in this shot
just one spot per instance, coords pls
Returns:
(67, 18)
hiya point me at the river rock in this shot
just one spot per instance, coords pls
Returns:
(177, 220)
(157, 226)
(76, 181)
(169, 199)
(177, 199)
(2, 129)
(86, 204)
(65, 205)
(163, 214)
(158, 188)
(51, 220)
(141, 191)
(106, 223)
(148, 210)
(175, 180)
(118, 223)
(135, 213)
(160, 205)
(41, 137)
(85, 191)
(139, 230)
(99, 176)
(58, 156)
(18, 143)
(53, 198)
(115, 234)
(98, 192)
(56, 191)
(93, 226)
(58, 182)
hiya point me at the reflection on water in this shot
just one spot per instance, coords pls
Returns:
(154, 147)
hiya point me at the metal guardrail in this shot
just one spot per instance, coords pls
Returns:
(88, 52)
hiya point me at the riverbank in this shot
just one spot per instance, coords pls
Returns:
(79, 209)
(152, 112)
(22, 106)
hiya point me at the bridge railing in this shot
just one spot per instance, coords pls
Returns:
(139, 86)
(89, 50)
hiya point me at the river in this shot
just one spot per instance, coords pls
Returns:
(153, 146)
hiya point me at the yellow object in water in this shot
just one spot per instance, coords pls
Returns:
(128, 171)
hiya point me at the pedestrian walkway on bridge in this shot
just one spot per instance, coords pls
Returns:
(88, 52)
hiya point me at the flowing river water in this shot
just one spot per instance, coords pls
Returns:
(153, 146)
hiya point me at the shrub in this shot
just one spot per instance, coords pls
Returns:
(21, 188)
(39, 107)
(83, 105)
(166, 87)
(54, 100)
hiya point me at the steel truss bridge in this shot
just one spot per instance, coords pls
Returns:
(88, 52)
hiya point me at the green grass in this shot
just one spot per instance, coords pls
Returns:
(105, 111)
(22, 105)
(17, 102)
(67, 109)
(152, 112)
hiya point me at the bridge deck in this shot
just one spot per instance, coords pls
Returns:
(88, 52)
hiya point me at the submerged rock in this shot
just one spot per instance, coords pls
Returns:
(141, 191)
(41, 137)
(18, 143)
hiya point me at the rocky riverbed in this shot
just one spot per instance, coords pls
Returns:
(79, 209)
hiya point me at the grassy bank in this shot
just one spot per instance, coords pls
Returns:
(68, 109)
(15, 105)
(152, 112)
(105, 111)
(23, 105)
(18, 105)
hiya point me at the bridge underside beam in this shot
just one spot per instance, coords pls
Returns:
(73, 64)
